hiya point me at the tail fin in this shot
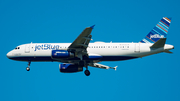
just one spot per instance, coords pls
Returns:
(158, 32)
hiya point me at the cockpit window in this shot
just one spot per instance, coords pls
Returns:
(17, 48)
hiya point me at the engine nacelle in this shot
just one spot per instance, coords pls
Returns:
(70, 68)
(61, 54)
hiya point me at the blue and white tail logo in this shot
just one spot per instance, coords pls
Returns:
(158, 32)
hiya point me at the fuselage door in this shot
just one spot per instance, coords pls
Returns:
(27, 48)
(137, 47)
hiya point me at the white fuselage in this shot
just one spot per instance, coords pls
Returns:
(107, 51)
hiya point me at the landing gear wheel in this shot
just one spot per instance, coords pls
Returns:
(87, 72)
(27, 68)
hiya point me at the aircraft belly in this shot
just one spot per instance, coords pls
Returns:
(32, 58)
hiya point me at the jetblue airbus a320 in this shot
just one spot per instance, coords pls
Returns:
(81, 53)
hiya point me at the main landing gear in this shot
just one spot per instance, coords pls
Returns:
(84, 64)
(28, 68)
(87, 72)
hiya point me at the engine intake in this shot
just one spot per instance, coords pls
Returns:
(70, 68)
(62, 54)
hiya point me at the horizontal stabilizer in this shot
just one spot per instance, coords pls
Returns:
(167, 51)
(160, 43)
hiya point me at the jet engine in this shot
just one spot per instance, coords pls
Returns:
(62, 54)
(70, 68)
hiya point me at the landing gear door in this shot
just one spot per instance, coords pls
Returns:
(27, 48)
(137, 47)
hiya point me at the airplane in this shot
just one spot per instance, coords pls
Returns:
(81, 53)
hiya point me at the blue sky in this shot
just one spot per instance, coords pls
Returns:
(151, 78)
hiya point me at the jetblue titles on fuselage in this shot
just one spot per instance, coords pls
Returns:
(46, 47)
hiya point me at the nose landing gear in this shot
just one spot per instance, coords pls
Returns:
(28, 68)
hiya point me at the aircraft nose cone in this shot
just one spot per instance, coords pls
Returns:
(9, 54)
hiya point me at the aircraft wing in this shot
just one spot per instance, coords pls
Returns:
(83, 39)
(81, 43)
